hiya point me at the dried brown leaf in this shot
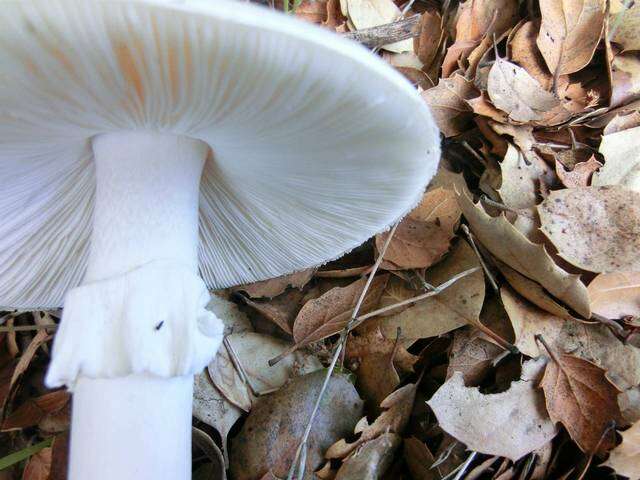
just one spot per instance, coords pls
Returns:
(415, 244)
(570, 32)
(621, 152)
(448, 104)
(270, 435)
(532, 291)
(510, 246)
(524, 52)
(517, 93)
(372, 459)
(625, 78)
(615, 295)
(419, 460)
(521, 179)
(330, 313)
(581, 174)
(594, 228)
(34, 410)
(627, 30)
(508, 424)
(625, 458)
(477, 19)
(579, 395)
(275, 286)
(426, 45)
(38, 466)
(472, 356)
(397, 410)
(457, 305)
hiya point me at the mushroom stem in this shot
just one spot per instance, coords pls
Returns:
(134, 427)
(136, 330)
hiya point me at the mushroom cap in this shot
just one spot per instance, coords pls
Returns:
(316, 143)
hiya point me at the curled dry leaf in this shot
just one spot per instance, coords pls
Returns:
(472, 356)
(625, 78)
(448, 104)
(625, 458)
(419, 460)
(330, 313)
(377, 358)
(397, 410)
(275, 286)
(210, 407)
(253, 351)
(615, 295)
(457, 305)
(35, 410)
(570, 32)
(593, 342)
(621, 152)
(594, 228)
(521, 179)
(524, 52)
(627, 27)
(281, 310)
(426, 45)
(579, 395)
(510, 246)
(415, 244)
(532, 291)
(508, 424)
(271, 434)
(477, 19)
(517, 93)
(372, 459)
(580, 175)
(39, 466)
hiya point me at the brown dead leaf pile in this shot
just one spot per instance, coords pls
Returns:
(499, 337)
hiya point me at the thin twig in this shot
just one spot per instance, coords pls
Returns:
(300, 459)
(432, 293)
(27, 328)
(502, 206)
(487, 272)
(465, 465)
(381, 35)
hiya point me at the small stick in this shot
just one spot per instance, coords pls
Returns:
(27, 328)
(301, 452)
(502, 206)
(376, 37)
(465, 465)
(489, 275)
(540, 338)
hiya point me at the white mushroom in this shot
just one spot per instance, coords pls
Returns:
(152, 149)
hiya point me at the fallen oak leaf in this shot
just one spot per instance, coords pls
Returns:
(621, 153)
(510, 246)
(625, 458)
(372, 459)
(415, 244)
(522, 49)
(517, 93)
(275, 286)
(39, 466)
(625, 27)
(615, 295)
(594, 228)
(331, 312)
(458, 305)
(34, 410)
(580, 175)
(269, 437)
(625, 78)
(569, 33)
(447, 101)
(397, 411)
(521, 179)
(431, 35)
(532, 291)
(472, 356)
(509, 424)
(579, 395)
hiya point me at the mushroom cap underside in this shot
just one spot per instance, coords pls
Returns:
(316, 143)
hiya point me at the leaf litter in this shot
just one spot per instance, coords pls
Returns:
(420, 355)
